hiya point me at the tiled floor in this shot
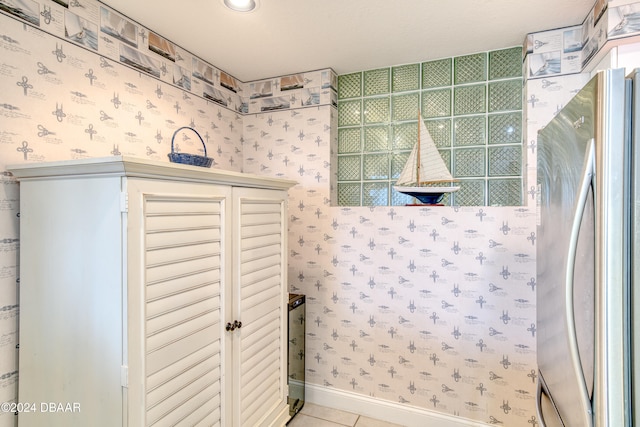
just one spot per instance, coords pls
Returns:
(319, 416)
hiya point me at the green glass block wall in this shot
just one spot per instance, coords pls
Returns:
(472, 107)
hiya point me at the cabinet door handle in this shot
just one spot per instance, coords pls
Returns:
(233, 326)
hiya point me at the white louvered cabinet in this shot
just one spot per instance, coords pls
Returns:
(151, 294)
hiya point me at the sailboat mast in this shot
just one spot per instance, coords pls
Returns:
(418, 152)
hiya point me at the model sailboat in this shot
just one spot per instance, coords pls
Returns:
(425, 175)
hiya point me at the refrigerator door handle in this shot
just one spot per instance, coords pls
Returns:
(586, 184)
(539, 391)
(543, 390)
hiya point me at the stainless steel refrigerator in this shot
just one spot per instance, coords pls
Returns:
(587, 240)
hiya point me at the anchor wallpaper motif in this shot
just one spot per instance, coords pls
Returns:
(428, 307)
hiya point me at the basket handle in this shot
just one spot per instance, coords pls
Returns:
(195, 131)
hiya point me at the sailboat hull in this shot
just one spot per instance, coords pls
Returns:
(426, 195)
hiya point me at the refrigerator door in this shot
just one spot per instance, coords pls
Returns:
(580, 280)
(565, 344)
(634, 267)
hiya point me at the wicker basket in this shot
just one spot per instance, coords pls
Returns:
(190, 159)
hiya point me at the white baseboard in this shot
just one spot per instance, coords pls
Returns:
(385, 410)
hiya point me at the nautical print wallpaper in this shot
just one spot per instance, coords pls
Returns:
(432, 308)
(64, 99)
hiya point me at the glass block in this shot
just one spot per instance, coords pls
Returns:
(505, 128)
(376, 138)
(436, 73)
(446, 200)
(505, 63)
(349, 113)
(505, 95)
(470, 68)
(349, 85)
(436, 103)
(398, 161)
(469, 99)
(399, 199)
(405, 135)
(477, 125)
(505, 192)
(469, 162)
(469, 131)
(375, 166)
(405, 107)
(471, 193)
(375, 194)
(349, 168)
(505, 160)
(406, 77)
(376, 110)
(376, 82)
(440, 131)
(349, 140)
(348, 194)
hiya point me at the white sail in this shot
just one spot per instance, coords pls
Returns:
(432, 167)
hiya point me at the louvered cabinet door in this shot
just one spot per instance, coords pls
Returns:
(181, 335)
(259, 276)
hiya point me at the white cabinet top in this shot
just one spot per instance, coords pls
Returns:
(143, 168)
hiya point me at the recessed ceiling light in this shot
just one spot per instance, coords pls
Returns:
(241, 5)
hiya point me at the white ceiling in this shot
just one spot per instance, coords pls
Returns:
(289, 36)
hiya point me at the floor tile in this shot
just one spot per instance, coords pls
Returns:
(370, 422)
(302, 420)
(329, 414)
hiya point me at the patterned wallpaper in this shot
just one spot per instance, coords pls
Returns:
(427, 307)
(62, 100)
